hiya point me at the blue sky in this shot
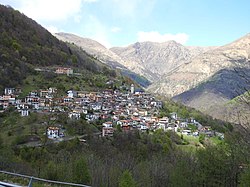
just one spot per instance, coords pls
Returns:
(122, 22)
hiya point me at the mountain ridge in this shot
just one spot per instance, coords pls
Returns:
(103, 54)
(204, 66)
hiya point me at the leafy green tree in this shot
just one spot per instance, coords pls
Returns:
(127, 180)
(245, 178)
(1, 141)
(215, 166)
(183, 173)
(51, 171)
(80, 171)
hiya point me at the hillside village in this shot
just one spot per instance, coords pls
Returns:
(128, 110)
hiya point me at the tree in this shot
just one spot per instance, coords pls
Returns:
(127, 180)
(245, 178)
(80, 171)
(1, 141)
(51, 171)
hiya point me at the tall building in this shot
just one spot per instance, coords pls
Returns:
(132, 89)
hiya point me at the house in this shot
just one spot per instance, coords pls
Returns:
(52, 90)
(174, 115)
(53, 132)
(108, 131)
(164, 120)
(132, 89)
(70, 94)
(33, 101)
(107, 124)
(96, 106)
(142, 127)
(172, 127)
(24, 112)
(183, 124)
(67, 100)
(9, 91)
(74, 115)
(186, 132)
(82, 93)
(92, 117)
(43, 93)
(63, 70)
(4, 101)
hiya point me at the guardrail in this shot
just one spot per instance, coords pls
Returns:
(32, 179)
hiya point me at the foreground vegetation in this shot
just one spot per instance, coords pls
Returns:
(127, 159)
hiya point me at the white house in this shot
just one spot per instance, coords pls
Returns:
(70, 94)
(53, 132)
(107, 124)
(107, 131)
(174, 115)
(9, 91)
(24, 112)
(132, 89)
(74, 115)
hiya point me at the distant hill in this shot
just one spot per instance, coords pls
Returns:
(24, 45)
(103, 54)
(222, 87)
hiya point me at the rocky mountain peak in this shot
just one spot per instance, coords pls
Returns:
(203, 66)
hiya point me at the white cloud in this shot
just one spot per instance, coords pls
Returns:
(155, 36)
(115, 29)
(90, 1)
(51, 10)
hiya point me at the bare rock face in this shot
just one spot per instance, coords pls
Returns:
(104, 55)
(203, 66)
(156, 59)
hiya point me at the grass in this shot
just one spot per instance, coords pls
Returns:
(191, 139)
(190, 143)
(215, 140)
(85, 81)
(14, 126)
(188, 148)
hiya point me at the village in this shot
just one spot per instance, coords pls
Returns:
(128, 110)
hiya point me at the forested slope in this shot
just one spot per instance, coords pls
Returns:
(24, 45)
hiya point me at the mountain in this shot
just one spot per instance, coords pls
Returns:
(205, 78)
(90, 46)
(151, 59)
(222, 87)
(26, 45)
(103, 54)
(211, 80)
(203, 67)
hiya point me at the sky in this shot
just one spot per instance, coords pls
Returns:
(123, 22)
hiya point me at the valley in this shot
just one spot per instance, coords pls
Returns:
(205, 78)
(143, 115)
